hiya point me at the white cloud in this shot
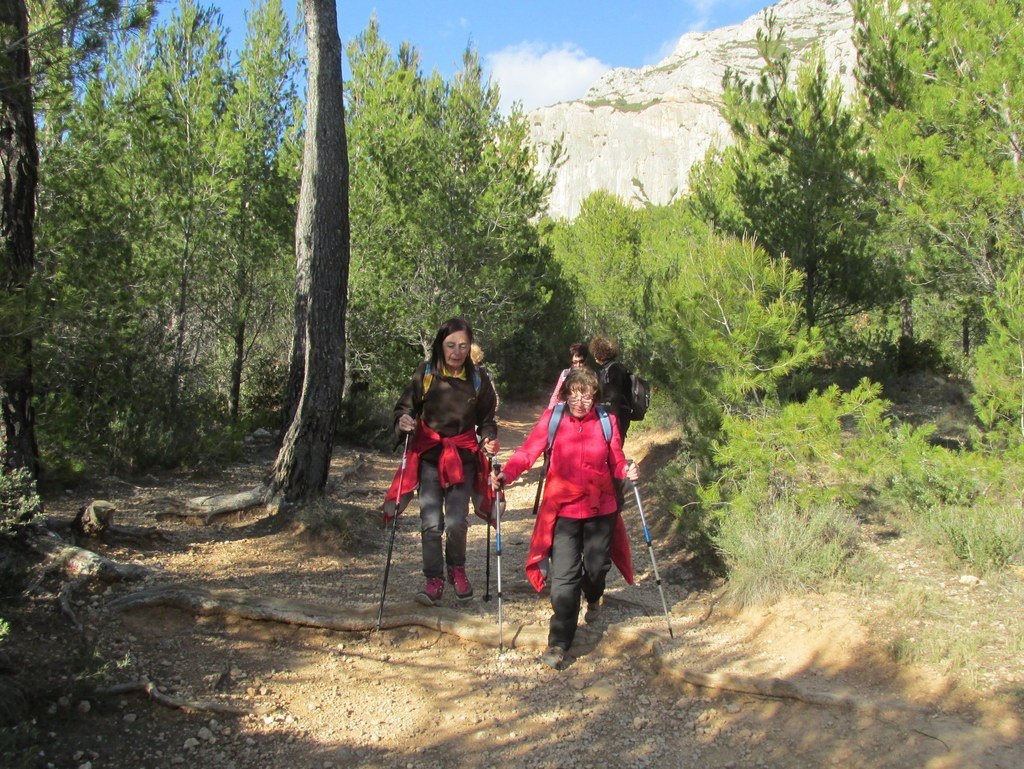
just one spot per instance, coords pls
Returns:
(539, 75)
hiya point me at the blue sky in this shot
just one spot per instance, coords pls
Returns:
(539, 51)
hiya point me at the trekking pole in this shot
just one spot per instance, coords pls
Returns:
(540, 483)
(499, 503)
(650, 550)
(487, 592)
(394, 527)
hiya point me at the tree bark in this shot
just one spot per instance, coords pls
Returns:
(19, 158)
(237, 362)
(322, 258)
(906, 320)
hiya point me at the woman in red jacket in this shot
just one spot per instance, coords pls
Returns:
(578, 358)
(578, 527)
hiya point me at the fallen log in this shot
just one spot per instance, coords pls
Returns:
(209, 507)
(221, 504)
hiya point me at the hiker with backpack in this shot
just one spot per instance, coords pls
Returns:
(577, 358)
(448, 406)
(614, 380)
(579, 531)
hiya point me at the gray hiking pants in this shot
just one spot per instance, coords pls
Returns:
(444, 512)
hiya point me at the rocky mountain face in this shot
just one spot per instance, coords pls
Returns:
(636, 132)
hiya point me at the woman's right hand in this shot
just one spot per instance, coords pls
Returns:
(406, 423)
(497, 480)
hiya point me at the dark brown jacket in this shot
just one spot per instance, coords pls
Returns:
(451, 405)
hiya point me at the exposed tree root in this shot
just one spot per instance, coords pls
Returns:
(195, 706)
(651, 642)
(261, 608)
(80, 566)
(484, 632)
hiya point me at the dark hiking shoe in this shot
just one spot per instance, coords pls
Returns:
(457, 576)
(593, 612)
(553, 657)
(430, 594)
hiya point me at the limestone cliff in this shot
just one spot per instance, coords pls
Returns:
(636, 132)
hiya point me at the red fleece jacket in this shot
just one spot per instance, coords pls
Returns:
(450, 471)
(580, 484)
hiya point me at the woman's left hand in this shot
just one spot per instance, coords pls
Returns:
(496, 480)
(490, 445)
(632, 471)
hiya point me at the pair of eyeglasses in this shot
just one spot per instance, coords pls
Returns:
(577, 362)
(580, 399)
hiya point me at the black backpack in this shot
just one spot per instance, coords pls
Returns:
(639, 396)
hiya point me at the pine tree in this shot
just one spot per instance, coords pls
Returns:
(799, 179)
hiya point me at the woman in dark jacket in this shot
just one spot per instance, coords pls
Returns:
(613, 378)
(448, 403)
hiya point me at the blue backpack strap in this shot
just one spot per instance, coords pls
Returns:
(428, 378)
(606, 422)
(556, 419)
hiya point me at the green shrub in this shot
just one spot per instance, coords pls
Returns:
(785, 547)
(780, 512)
(365, 419)
(988, 536)
(924, 476)
(965, 503)
(998, 375)
(677, 484)
(726, 334)
(19, 502)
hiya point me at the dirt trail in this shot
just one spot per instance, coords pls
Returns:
(416, 697)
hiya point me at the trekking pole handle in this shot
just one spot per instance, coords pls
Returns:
(496, 469)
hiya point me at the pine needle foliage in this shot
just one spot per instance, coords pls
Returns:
(781, 514)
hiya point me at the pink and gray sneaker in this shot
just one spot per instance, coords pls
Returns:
(457, 576)
(431, 592)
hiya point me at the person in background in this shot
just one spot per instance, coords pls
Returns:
(577, 358)
(476, 354)
(579, 526)
(613, 378)
(448, 406)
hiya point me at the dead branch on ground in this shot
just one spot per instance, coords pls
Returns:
(150, 689)
(79, 565)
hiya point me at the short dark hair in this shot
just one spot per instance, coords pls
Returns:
(577, 348)
(449, 327)
(578, 379)
(603, 349)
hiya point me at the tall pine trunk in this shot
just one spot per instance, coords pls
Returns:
(317, 366)
(19, 159)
